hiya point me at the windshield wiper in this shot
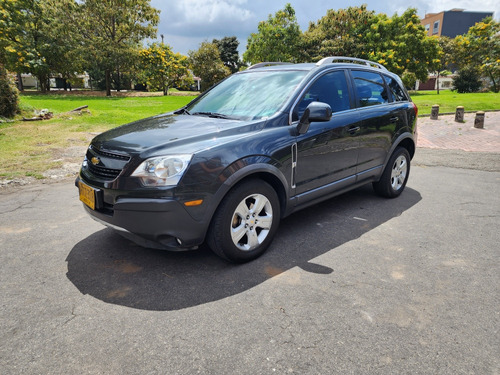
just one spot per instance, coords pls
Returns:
(211, 114)
(182, 111)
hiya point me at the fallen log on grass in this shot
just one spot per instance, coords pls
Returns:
(79, 108)
(40, 117)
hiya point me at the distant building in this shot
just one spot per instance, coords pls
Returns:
(452, 22)
(79, 82)
(445, 83)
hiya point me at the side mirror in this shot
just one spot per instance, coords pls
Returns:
(316, 111)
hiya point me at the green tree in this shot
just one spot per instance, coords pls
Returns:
(338, 33)
(161, 68)
(111, 31)
(398, 42)
(23, 32)
(401, 44)
(480, 47)
(446, 51)
(64, 56)
(277, 39)
(36, 39)
(207, 65)
(228, 49)
(9, 101)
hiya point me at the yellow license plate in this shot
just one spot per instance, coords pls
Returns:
(87, 195)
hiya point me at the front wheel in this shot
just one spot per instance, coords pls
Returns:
(395, 175)
(245, 222)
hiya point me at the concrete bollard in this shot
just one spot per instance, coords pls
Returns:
(435, 112)
(479, 120)
(459, 114)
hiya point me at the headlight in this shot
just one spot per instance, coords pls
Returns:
(163, 170)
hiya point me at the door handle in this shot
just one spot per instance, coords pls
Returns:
(394, 119)
(354, 129)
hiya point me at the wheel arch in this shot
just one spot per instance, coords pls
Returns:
(263, 171)
(272, 180)
(406, 141)
(266, 172)
(409, 144)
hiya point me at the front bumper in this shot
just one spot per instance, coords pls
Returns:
(152, 222)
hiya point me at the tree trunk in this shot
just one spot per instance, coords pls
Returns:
(437, 83)
(108, 82)
(20, 86)
(43, 79)
(495, 88)
(118, 81)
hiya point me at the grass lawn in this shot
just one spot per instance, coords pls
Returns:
(33, 147)
(106, 113)
(449, 100)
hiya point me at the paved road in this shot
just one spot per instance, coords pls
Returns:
(356, 285)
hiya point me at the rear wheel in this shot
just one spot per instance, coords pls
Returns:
(395, 175)
(245, 222)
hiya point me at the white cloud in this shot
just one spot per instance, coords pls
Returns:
(212, 11)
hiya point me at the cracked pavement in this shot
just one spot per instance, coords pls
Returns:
(355, 285)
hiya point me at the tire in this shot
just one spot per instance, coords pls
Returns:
(240, 231)
(395, 175)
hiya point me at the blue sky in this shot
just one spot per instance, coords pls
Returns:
(187, 23)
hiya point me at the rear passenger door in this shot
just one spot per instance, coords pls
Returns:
(380, 118)
(328, 151)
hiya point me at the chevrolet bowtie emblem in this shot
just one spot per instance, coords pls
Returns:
(95, 160)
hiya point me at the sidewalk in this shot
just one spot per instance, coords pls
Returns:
(445, 133)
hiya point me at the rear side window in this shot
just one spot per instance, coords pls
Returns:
(330, 88)
(370, 88)
(397, 91)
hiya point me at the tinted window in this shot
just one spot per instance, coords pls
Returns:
(370, 88)
(330, 88)
(397, 91)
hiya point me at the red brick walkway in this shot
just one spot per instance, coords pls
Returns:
(445, 133)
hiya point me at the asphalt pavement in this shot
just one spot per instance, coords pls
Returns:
(355, 285)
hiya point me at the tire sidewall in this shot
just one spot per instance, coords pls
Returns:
(400, 151)
(384, 187)
(221, 233)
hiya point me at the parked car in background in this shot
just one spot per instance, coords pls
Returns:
(255, 148)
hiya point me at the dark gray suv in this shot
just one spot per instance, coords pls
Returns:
(255, 148)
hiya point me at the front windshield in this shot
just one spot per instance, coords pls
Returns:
(249, 95)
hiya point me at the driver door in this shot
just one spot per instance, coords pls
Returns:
(327, 153)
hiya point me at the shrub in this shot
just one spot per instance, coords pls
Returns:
(409, 80)
(9, 101)
(467, 80)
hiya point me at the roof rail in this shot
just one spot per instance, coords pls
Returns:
(329, 60)
(260, 65)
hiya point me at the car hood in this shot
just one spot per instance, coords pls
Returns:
(191, 133)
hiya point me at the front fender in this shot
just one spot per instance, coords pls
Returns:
(251, 167)
(255, 166)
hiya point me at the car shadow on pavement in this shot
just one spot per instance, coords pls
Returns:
(115, 270)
